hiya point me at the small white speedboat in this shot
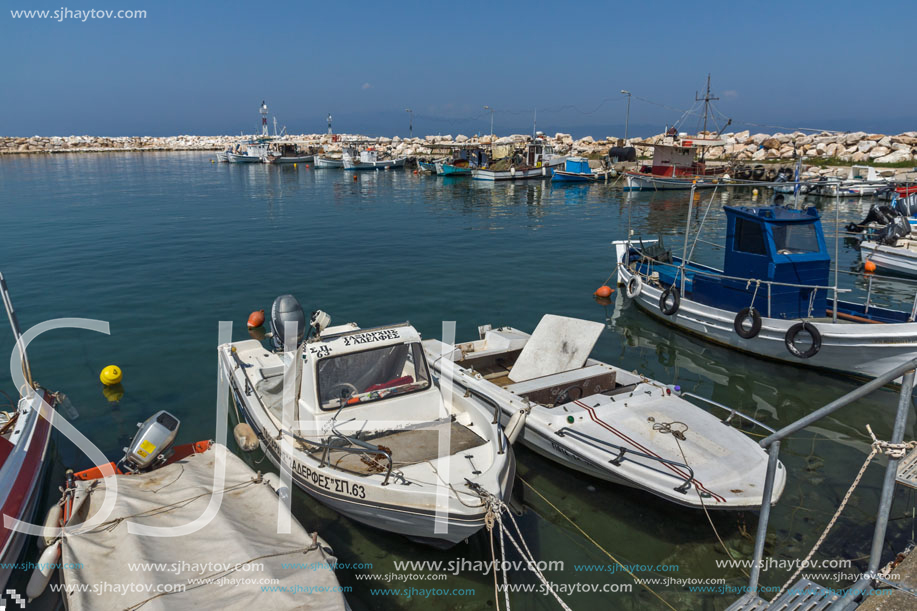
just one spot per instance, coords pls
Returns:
(355, 416)
(602, 420)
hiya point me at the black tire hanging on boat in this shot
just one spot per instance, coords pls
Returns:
(664, 298)
(634, 286)
(790, 340)
(755, 323)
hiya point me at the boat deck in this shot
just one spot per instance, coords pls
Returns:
(408, 447)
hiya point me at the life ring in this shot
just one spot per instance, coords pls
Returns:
(755, 323)
(664, 307)
(790, 339)
(634, 287)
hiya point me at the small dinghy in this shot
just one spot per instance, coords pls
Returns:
(356, 417)
(596, 418)
(231, 546)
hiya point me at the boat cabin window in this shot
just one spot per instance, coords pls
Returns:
(795, 238)
(372, 375)
(749, 237)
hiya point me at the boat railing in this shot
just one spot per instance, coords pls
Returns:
(732, 411)
(771, 444)
(620, 454)
(752, 284)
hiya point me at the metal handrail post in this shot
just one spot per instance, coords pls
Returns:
(891, 471)
(761, 534)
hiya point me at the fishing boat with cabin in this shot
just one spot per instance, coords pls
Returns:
(538, 160)
(774, 297)
(368, 159)
(604, 420)
(354, 416)
(286, 152)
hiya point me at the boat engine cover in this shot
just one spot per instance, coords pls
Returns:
(286, 309)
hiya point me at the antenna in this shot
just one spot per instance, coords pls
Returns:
(275, 126)
(534, 124)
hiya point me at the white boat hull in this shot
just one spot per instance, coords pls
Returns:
(234, 158)
(288, 160)
(573, 434)
(890, 258)
(372, 498)
(355, 164)
(637, 181)
(861, 349)
(327, 162)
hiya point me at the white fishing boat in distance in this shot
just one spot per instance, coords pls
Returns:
(321, 162)
(368, 159)
(364, 429)
(603, 420)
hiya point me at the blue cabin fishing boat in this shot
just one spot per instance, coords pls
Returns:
(776, 295)
(576, 169)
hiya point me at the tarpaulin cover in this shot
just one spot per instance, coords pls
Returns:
(127, 571)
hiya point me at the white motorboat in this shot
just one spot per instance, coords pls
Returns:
(363, 428)
(603, 420)
(255, 152)
(323, 162)
(898, 256)
(238, 534)
(368, 159)
(861, 181)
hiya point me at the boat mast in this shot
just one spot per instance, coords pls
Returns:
(706, 99)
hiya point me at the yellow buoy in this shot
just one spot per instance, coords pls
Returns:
(295, 165)
(111, 375)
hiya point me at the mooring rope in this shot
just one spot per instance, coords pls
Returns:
(892, 450)
(636, 579)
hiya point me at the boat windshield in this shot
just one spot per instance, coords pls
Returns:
(371, 375)
(796, 238)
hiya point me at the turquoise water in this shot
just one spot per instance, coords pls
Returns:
(163, 246)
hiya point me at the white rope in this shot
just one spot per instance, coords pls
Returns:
(892, 450)
(495, 510)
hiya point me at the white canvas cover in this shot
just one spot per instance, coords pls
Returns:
(244, 530)
(557, 344)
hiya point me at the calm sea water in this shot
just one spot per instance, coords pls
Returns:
(163, 246)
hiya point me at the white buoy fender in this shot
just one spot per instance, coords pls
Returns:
(41, 574)
(245, 437)
(515, 425)
(273, 480)
(51, 529)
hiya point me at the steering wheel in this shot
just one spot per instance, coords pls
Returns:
(344, 386)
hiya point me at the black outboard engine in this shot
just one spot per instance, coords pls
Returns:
(286, 309)
(891, 233)
(880, 215)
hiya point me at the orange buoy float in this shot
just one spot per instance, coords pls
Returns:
(355, 178)
(869, 266)
(604, 291)
(256, 319)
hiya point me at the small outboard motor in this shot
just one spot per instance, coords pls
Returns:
(880, 215)
(151, 443)
(891, 233)
(286, 309)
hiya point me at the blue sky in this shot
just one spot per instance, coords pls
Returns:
(204, 67)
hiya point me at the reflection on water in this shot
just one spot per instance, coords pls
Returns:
(163, 246)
